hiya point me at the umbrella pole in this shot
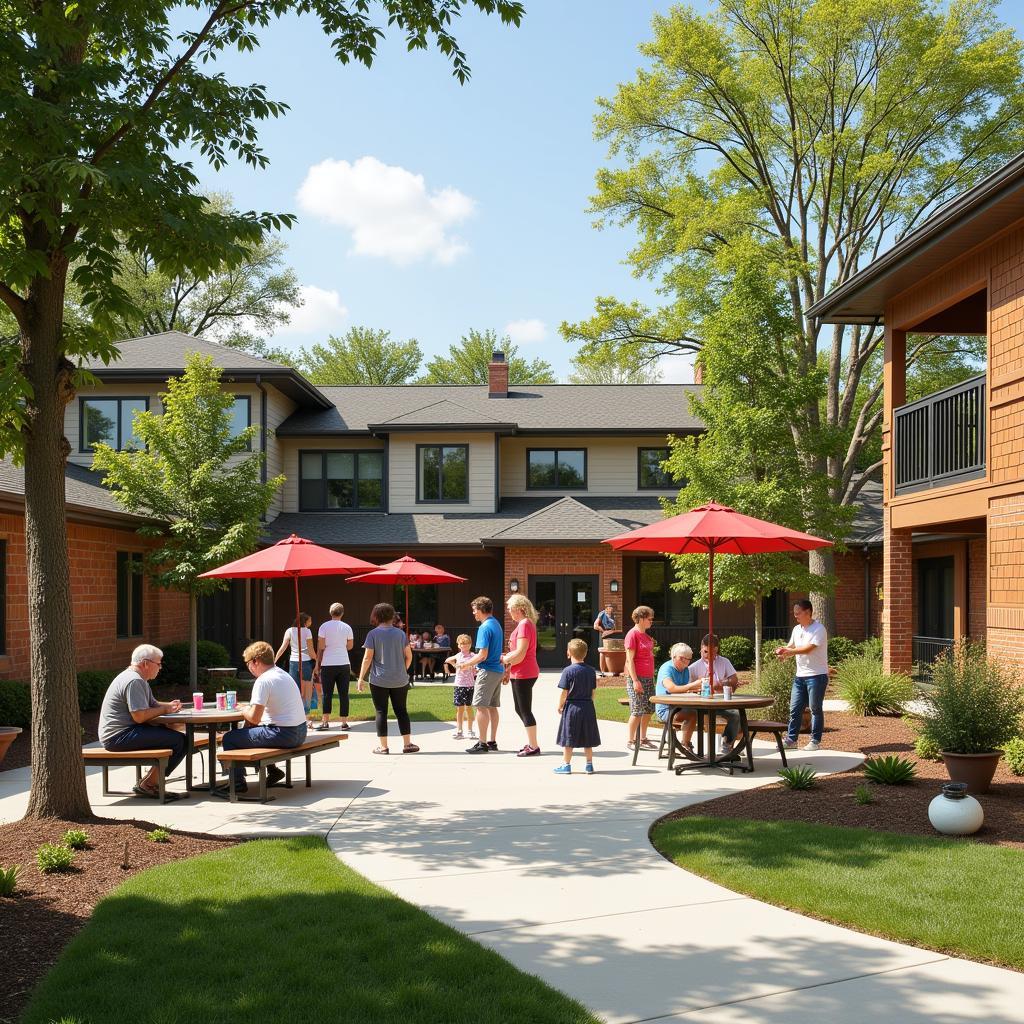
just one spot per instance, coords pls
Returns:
(298, 624)
(711, 615)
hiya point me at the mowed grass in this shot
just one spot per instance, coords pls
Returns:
(426, 704)
(955, 896)
(280, 931)
(606, 700)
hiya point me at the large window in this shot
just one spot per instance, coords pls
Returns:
(241, 415)
(650, 476)
(556, 469)
(341, 481)
(442, 472)
(671, 607)
(108, 420)
(129, 593)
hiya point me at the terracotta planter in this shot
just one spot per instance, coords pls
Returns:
(614, 659)
(974, 769)
(8, 733)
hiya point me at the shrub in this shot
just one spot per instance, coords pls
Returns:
(973, 705)
(15, 703)
(9, 880)
(776, 682)
(840, 648)
(800, 777)
(92, 687)
(1014, 754)
(870, 691)
(54, 857)
(863, 795)
(175, 663)
(75, 838)
(872, 648)
(159, 835)
(739, 650)
(927, 749)
(889, 770)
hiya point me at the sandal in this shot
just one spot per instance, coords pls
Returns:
(141, 790)
(381, 750)
(410, 748)
(646, 744)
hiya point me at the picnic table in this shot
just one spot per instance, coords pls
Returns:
(212, 719)
(434, 652)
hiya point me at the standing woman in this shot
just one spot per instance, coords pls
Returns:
(640, 677)
(387, 660)
(521, 666)
(334, 641)
(301, 659)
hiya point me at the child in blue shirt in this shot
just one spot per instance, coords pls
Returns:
(578, 724)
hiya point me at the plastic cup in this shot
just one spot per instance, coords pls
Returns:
(222, 701)
(726, 693)
(197, 701)
(232, 700)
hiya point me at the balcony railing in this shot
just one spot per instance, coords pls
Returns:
(927, 648)
(940, 439)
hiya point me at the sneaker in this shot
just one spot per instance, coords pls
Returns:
(528, 751)
(726, 748)
(274, 775)
(813, 745)
(477, 748)
(344, 726)
(788, 743)
(590, 768)
(471, 735)
(629, 744)
(323, 727)
(492, 744)
(457, 735)
(564, 769)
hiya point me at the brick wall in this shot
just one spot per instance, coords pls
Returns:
(850, 593)
(93, 551)
(977, 582)
(897, 586)
(1004, 614)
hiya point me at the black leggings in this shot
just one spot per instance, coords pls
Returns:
(522, 694)
(342, 675)
(398, 695)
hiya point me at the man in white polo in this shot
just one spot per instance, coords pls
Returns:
(808, 646)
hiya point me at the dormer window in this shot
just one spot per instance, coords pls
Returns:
(442, 473)
(556, 469)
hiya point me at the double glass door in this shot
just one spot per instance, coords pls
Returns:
(567, 609)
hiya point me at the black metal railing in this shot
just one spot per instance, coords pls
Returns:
(927, 648)
(940, 439)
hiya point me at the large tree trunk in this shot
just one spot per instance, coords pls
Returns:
(193, 640)
(822, 562)
(58, 779)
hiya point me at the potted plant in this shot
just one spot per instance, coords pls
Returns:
(971, 708)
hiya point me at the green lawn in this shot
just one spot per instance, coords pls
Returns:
(280, 931)
(426, 704)
(954, 896)
(606, 699)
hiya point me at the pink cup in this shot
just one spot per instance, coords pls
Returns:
(222, 701)
(197, 701)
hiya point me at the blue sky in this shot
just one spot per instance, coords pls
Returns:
(426, 207)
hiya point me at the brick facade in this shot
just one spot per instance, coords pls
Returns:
(898, 591)
(93, 552)
(850, 593)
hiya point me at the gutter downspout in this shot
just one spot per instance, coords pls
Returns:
(263, 426)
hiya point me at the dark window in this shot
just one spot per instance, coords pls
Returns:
(129, 593)
(341, 481)
(3, 597)
(241, 415)
(563, 469)
(935, 597)
(443, 472)
(109, 420)
(422, 605)
(650, 476)
(671, 607)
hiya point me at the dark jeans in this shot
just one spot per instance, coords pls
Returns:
(342, 675)
(149, 737)
(399, 695)
(522, 696)
(262, 736)
(807, 690)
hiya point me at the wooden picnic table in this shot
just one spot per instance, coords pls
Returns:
(213, 720)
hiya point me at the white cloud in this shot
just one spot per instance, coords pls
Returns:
(526, 332)
(389, 210)
(320, 311)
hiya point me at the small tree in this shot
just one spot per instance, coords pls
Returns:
(362, 355)
(197, 479)
(466, 362)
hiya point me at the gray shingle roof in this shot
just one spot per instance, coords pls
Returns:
(168, 351)
(549, 408)
(566, 519)
(868, 524)
(441, 414)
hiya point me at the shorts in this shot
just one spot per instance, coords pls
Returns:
(487, 691)
(640, 703)
(462, 696)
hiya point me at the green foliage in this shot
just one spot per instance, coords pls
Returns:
(973, 704)
(863, 795)
(840, 648)
(92, 688)
(54, 857)
(75, 839)
(9, 879)
(174, 669)
(739, 650)
(872, 648)
(466, 362)
(1013, 752)
(15, 703)
(869, 690)
(159, 835)
(362, 355)
(889, 770)
(607, 366)
(927, 749)
(777, 682)
(799, 777)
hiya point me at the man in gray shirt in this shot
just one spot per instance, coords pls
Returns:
(128, 708)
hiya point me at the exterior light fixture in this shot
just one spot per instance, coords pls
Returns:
(513, 586)
(613, 586)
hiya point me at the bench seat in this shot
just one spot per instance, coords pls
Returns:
(261, 757)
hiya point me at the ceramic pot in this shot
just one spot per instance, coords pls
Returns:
(8, 734)
(954, 813)
(974, 769)
(614, 659)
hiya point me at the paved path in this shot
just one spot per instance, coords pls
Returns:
(557, 875)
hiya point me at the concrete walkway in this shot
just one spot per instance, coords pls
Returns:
(558, 876)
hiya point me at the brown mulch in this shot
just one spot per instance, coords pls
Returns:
(46, 911)
(895, 808)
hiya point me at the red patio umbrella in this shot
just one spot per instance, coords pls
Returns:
(712, 529)
(407, 570)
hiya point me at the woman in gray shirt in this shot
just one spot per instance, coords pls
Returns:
(387, 659)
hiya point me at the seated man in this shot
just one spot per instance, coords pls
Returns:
(725, 675)
(128, 708)
(674, 677)
(275, 716)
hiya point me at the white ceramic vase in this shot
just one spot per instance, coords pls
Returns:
(954, 813)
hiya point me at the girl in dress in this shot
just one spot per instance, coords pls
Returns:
(578, 724)
(462, 695)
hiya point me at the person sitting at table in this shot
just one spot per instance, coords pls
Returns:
(275, 716)
(674, 677)
(426, 660)
(725, 675)
(444, 643)
(128, 708)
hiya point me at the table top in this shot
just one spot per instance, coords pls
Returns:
(695, 700)
(208, 716)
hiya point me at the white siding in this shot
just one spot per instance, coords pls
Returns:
(72, 414)
(611, 463)
(290, 447)
(279, 408)
(402, 472)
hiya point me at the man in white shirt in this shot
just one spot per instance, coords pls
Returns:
(808, 645)
(724, 675)
(334, 641)
(275, 716)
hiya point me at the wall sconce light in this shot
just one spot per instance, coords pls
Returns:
(613, 586)
(513, 586)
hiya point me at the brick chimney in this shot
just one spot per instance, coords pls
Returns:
(698, 372)
(497, 376)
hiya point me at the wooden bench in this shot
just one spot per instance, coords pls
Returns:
(139, 759)
(261, 757)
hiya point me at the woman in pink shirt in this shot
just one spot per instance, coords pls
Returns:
(640, 676)
(521, 666)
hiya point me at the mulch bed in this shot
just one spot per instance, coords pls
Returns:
(895, 808)
(46, 911)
